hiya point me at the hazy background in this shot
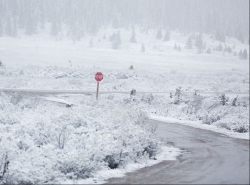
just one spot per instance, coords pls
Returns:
(76, 18)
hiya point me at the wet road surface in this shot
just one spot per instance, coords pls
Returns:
(208, 158)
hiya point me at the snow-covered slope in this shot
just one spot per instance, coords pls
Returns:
(114, 128)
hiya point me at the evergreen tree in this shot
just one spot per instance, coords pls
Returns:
(229, 50)
(241, 54)
(159, 34)
(118, 37)
(116, 41)
(204, 46)
(239, 35)
(179, 48)
(175, 46)
(167, 36)
(219, 48)
(208, 51)
(132, 38)
(244, 54)
(115, 44)
(189, 43)
(112, 37)
(220, 36)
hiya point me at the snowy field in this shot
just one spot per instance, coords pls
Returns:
(47, 142)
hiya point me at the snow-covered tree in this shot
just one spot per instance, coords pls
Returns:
(244, 54)
(167, 36)
(219, 48)
(159, 34)
(132, 38)
(116, 40)
(175, 46)
(189, 43)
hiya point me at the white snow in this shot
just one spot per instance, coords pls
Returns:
(30, 125)
(168, 153)
(198, 124)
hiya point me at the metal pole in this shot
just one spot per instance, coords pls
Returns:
(97, 90)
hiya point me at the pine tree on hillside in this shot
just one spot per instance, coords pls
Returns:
(167, 36)
(239, 35)
(159, 34)
(118, 37)
(189, 43)
(208, 51)
(132, 38)
(241, 54)
(204, 46)
(220, 36)
(116, 41)
(112, 37)
(175, 46)
(229, 50)
(244, 54)
(179, 48)
(219, 48)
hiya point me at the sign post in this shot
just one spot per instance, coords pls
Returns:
(98, 78)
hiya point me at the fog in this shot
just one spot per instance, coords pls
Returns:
(80, 17)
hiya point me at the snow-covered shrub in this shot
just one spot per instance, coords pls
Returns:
(48, 141)
(234, 101)
(62, 137)
(16, 97)
(148, 98)
(77, 164)
(177, 98)
(210, 118)
(224, 99)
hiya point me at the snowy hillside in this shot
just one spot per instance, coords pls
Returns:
(46, 142)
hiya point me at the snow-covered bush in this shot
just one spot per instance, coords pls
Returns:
(48, 141)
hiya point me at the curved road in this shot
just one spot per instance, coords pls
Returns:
(208, 158)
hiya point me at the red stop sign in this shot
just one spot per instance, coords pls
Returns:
(98, 76)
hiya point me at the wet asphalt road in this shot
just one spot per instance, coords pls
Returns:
(208, 158)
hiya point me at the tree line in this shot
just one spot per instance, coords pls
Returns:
(80, 17)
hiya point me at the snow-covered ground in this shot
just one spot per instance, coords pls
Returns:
(45, 141)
